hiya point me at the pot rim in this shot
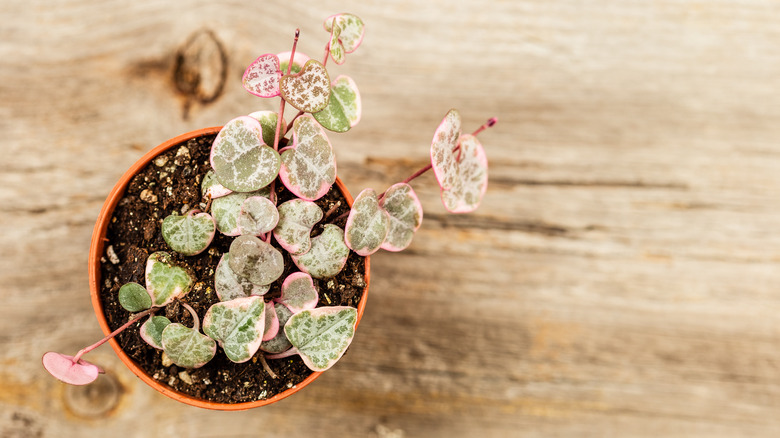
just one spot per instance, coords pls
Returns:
(96, 252)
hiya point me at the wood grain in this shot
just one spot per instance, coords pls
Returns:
(620, 278)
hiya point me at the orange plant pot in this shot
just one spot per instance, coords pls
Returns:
(96, 252)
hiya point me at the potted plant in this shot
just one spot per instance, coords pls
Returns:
(230, 266)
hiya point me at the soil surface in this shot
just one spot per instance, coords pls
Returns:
(171, 183)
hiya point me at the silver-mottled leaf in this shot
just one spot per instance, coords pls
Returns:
(164, 281)
(470, 182)
(267, 120)
(187, 347)
(322, 335)
(327, 256)
(309, 166)
(347, 36)
(258, 216)
(261, 78)
(190, 234)
(255, 260)
(151, 330)
(227, 209)
(367, 225)
(241, 159)
(210, 186)
(237, 325)
(406, 214)
(443, 156)
(344, 107)
(298, 292)
(308, 90)
(296, 219)
(230, 285)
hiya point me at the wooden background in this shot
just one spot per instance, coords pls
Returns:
(620, 279)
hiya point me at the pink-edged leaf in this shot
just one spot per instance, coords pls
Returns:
(444, 158)
(470, 184)
(134, 297)
(187, 347)
(279, 343)
(406, 214)
(309, 167)
(296, 219)
(347, 36)
(255, 260)
(164, 281)
(237, 325)
(344, 107)
(151, 330)
(271, 322)
(298, 62)
(327, 256)
(322, 335)
(261, 78)
(66, 370)
(298, 292)
(230, 285)
(227, 208)
(210, 187)
(308, 90)
(258, 216)
(367, 225)
(190, 234)
(241, 159)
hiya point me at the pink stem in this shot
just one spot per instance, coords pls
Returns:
(489, 124)
(97, 344)
(291, 352)
(408, 180)
(195, 326)
(281, 104)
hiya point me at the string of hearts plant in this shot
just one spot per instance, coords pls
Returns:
(250, 155)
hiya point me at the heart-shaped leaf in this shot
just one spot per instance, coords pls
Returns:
(344, 107)
(134, 297)
(406, 214)
(347, 36)
(210, 187)
(279, 343)
(298, 62)
(258, 216)
(367, 225)
(187, 347)
(190, 234)
(151, 330)
(470, 182)
(309, 166)
(271, 322)
(227, 209)
(322, 335)
(298, 292)
(230, 285)
(241, 159)
(237, 325)
(443, 154)
(296, 219)
(267, 120)
(66, 370)
(164, 282)
(255, 260)
(327, 256)
(308, 90)
(261, 78)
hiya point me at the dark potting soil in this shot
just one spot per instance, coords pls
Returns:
(171, 183)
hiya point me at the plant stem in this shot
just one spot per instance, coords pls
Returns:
(195, 326)
(327, 46)
(281, 104)
(408, 180)
(489, 124)
(97, 344)
(267, 368)
(291, 352)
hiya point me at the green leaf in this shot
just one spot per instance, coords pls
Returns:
(406, 214)
(258, 216)
(211, 187)
(237, 325)
(344, 107)
(322, 335)
(230, 285)
(267, 120)
(134, 297)
(347, 36)
(327, 256)
(151, 330)
(309, 166)
(241, 159)
(227, 209)
(186, 347)
(190, 234)
(165, 281)
(298, 292)
(255, 260)
(367, 225)
(308, 90)
(296, 219)
(298, 62)
(279, 343)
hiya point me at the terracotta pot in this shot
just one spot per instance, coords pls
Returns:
(96, 252)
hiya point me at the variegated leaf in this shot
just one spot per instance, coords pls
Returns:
(190, 234)
(367, 225)
(210, 187)
(470, 182)
(227, 209)
(296, 219)
(307, 90)
(267, 120)
(255, 260)
(151, 330)
(406, 214)
(298, 62)
(322, 335)
(230, 285)
(349, 33)
(187, 347)
(241, 159)
(298, 292)
(271, 322)
(344, 107)
(309, 166)
(443, 156)
(258, 216)
(164, 281)
(237, 325)
(279, 343)
(134, 297)
(261, 78)
(327, 256)
(66, 370)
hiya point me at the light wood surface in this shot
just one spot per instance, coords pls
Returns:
(620, 279)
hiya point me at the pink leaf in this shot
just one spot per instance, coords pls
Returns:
(298, 292)
(65, 369)
(261, 78)
(271, 322)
